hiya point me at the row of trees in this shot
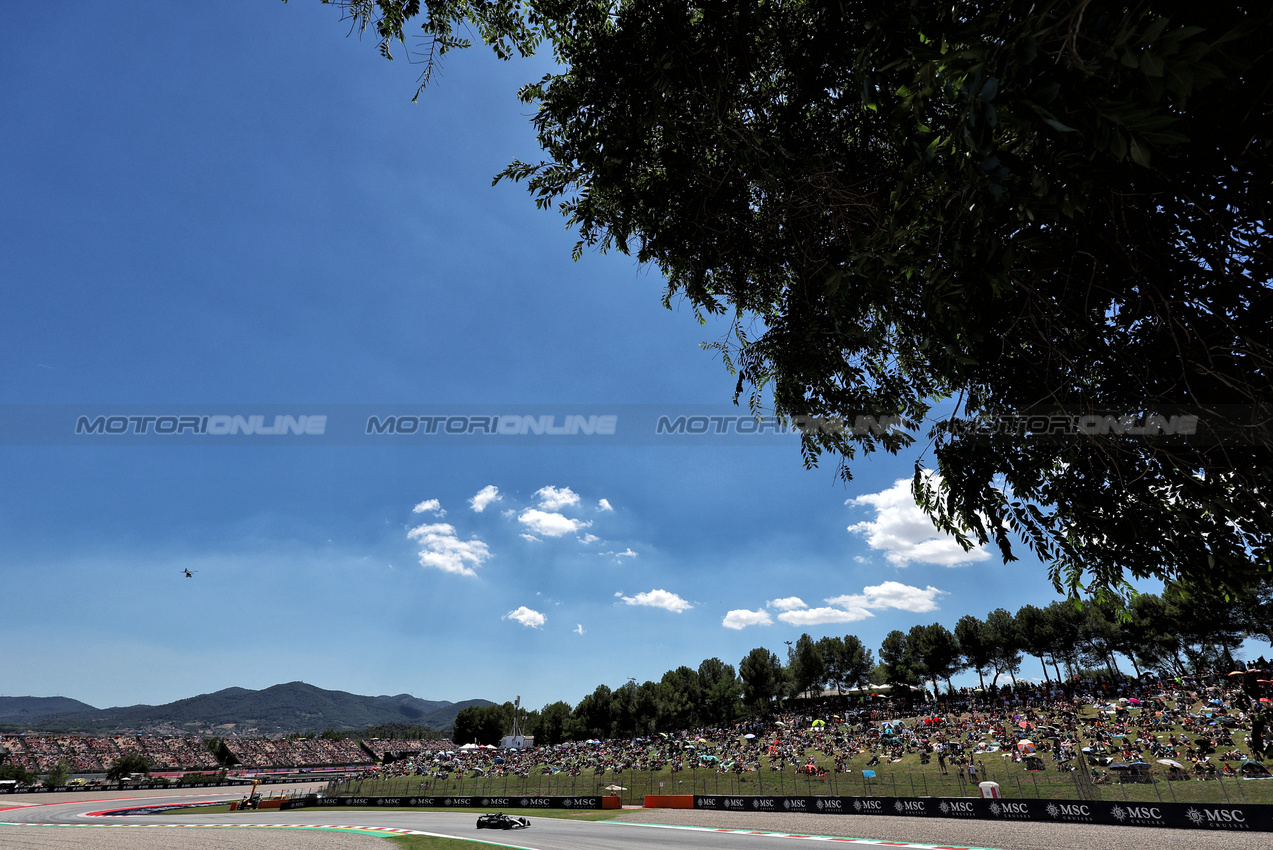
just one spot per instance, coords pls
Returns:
(1174, 634)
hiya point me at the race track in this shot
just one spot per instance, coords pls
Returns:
(65, 822)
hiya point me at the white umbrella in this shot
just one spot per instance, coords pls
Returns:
(1171, 763)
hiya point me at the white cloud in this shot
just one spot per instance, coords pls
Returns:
(849, 600)
(664, 599)
(849, 608)
(554, 499)
(894, 594)
(589, 538)
(529, 618)
(443, 549)
(532, 538)
(430, 505)
(579, 629)
(905, 533)
(817, 616)
(489, 493)
(550, 524)
(742, 618)
(626, 553)
(604, 505)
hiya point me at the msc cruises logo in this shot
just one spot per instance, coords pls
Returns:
(1217, 818)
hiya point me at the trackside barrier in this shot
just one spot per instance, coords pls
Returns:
(474, 802)
(1211, 816)
(669, 801)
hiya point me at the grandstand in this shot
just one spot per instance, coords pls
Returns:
(88, 754)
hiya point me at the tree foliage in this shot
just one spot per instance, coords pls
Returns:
(935, 653)
(848, 662)
(1004, 639)
(897, 659)
(807, 665)
(127, 764)
(59, 774)
(762, 676)
(971, 634)
(482, 724)
(721, 692)
(17, 773)
(1012, 205)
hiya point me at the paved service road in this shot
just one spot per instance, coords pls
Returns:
(71, 827)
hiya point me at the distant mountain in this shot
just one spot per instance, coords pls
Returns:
(20, 710)
(281, 709)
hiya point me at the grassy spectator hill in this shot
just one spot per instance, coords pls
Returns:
(281, 709)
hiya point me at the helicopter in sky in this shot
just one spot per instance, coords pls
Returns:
(189, 573)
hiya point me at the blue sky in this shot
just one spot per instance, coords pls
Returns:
(234, 206)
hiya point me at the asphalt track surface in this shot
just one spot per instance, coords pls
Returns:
(64, 822)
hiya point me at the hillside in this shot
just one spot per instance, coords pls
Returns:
(293, 707)
(24, 710)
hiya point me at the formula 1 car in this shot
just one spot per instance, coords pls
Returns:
(501, 821)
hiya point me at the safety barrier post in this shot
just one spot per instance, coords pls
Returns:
(1223, 789)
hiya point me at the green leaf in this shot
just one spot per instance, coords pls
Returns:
(1155, 30)
(1027, 50)
(1140, 156)
(1058, 126)
(1150, 65)
(1118, 146)
(833, 283)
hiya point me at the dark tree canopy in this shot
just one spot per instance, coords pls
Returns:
(127, 764)
(1000, 206)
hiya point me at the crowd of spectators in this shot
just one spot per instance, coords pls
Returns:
(92, 754)
(395, 749)
(1205, 726)
(296, 752)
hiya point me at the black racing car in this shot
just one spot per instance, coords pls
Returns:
(501, 821)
